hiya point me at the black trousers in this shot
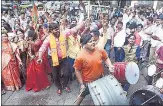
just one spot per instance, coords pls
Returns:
(61, 73)
(23, 57)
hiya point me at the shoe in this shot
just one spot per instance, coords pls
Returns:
(59, 92)
(47, 87)
(71, 79)
(67, 89)
(3, 92)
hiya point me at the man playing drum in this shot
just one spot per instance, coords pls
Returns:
(132, 54)
(88, 64)
(132, 51)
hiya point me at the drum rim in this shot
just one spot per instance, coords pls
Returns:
(150, 70)
(132, 62)
(111, 76)
(143, 88)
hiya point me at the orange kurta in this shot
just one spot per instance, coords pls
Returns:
(90, 64)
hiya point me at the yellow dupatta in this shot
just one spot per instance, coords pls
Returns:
(53, 46)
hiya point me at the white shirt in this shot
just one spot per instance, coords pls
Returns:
(49, 51)
(119, 39)
(23, 22)
(148, 30)
(103, 39)
(11, 35)
(125, 20)
(115, 25)
(158, 31)
(109, 32)
(11, 22)
(5, 18)
(127, 30)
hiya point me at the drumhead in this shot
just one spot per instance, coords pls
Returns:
(151, 70)
(107, 91)
(142, 95)
(132, 73)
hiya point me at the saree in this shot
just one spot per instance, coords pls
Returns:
(10, 69)
(37, 78)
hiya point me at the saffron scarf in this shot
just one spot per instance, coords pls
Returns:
(53, 46)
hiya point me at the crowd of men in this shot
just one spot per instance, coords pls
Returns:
(59, 45)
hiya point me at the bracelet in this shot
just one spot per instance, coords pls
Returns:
(82, 84)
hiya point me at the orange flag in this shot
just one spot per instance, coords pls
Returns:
(34, 15)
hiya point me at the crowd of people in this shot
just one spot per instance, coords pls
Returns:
(56, 47)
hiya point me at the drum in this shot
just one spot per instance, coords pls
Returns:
(132, 73)
(152, 74)
(148, 95)
(119, 71)
(151, 70)
(126, 71)
(107, 91)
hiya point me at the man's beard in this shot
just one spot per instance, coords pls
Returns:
(57, 35)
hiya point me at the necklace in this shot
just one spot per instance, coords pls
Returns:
(7, 49)
(4, 47)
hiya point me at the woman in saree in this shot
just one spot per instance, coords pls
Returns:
(10, 66)
(43, 33)
(36, 75)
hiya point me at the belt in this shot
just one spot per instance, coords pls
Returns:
(94, 80)
(49, 57)
(60, 61)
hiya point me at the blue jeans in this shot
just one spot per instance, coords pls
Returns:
(126, 86)
(119, 54)
(108, 46)
(71, 63)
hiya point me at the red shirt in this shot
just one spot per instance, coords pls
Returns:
(138, 39)
(160, 56)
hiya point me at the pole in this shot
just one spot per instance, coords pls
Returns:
(99, 5)
(155, 4)
(88, 9)
(133, 3)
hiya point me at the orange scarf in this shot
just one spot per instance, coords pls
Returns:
(53, 47)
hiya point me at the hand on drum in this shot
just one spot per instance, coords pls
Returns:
(82, 88)
(111, 69)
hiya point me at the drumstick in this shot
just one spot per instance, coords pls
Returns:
(79, 95)
(149, 99)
